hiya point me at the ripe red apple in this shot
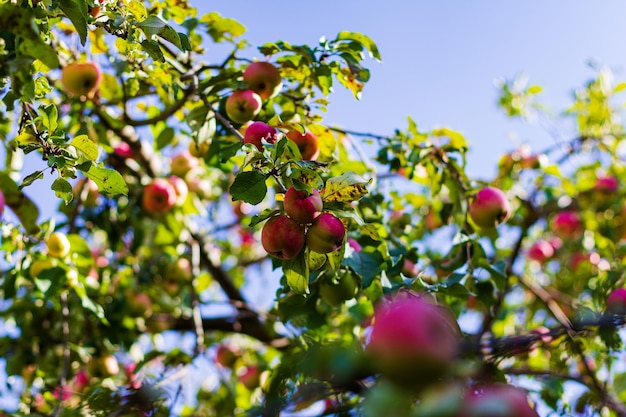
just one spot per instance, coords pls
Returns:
(159, 196)
(226, 355)
(243, 105)
(616, 301)
(258, 131)
(326, 234)
(489, 208)
(541, 251)
(282, 237)
(336, 292)
(250, 376)
(567, 224)
(181, 189)
(58, 245)
(497, 400)
(124, 150)
(302, 206)
(264, 78)
(182, 163)
(81, 78)
(409, 269)
(607, 185)
(308, 144)
(412, 341)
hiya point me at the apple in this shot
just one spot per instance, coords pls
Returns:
(264, 78)
(489, 208)
(541, 251)
(81, 78)
(356, 246)
(226, 355)
(2, 203)
(496, 400)
(326, 234)
(58, 245)
(336, 292)
(302, 206)
(282, 237)
(243, 105)
(179, 271)
(257, 131)
(182, 163)
(40, 265)
(607, 185)
(412, 341)
(249, 376)
(123, 150)
(616, 301)
(567, 224)
(308, 144)
(409, 269)
(181, 189)
(159, 196)
(199, 150)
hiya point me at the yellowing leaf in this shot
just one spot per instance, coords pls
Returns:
(345, 188)
(86, 147)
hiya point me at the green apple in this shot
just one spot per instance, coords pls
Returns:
(58, 245)
(335, 292)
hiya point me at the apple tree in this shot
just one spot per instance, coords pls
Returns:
(218, 249)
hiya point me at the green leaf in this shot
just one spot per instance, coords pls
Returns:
(364, 40)
(86, 147)
(29, 179)
(21, 205)
(152, 48)
(63, 189)
(76, 11)
(345, 188)
(249, 187)
(296, 271)
(367, 265)
(165, 138)
(154, 25)
(109, 181)
(262, 216)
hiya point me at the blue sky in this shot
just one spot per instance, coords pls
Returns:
(440, 59)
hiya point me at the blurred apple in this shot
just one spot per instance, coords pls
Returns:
(182, 163)
(489, 208)
(496, 400)
(81, 78)
(616, 302)
(264, 78)
(541, 251)
(567, 224)
(250, 376)
(58, 245)
(159, 196)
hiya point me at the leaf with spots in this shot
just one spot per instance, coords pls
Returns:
(345, 188)
(109, 181)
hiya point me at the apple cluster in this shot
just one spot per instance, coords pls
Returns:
(303, 222)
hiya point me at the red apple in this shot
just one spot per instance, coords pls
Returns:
(413, 341)
(182, 163)
(81, 78)
(159, 196)
(258, 131)
(264, 78)
(302, 206)
(124, 150)
(356, 246)
(567, 224)
(181, 189)
(489, 208)
(409, 269)
(607, 185)
(616, 301)
(326, 234)
(307, 144)
(243, 105)
(250, 376)
(282, 237)
(497, 400)
(541, 251)
(226, 355)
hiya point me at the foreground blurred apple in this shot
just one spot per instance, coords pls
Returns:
(81, 78)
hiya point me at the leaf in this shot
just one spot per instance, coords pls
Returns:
(86, 147)
(154, 25)
(367, 265)
(165, 138)
(152, 48)
(296, 271)
(345, 188)
(249, 186)
(262, 216)
(21, 205)
(76, 11)
(109, 181)
(364, 40)
(62, 189)
(29, 179)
